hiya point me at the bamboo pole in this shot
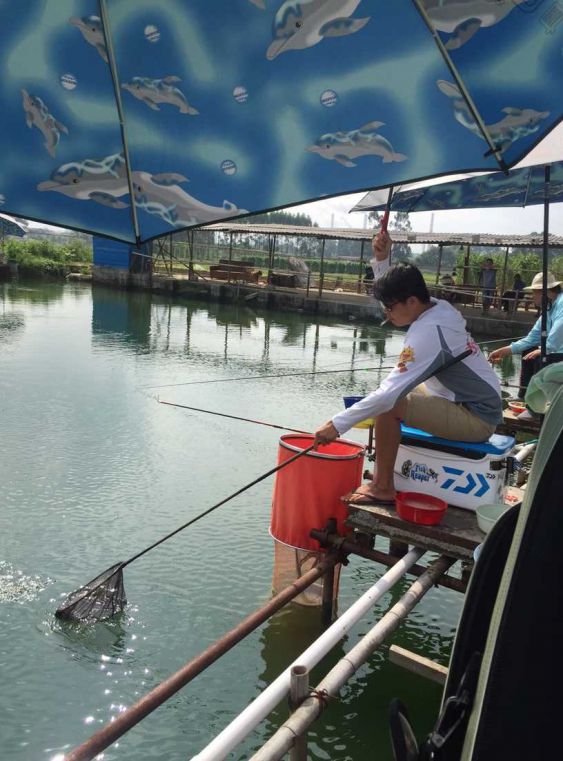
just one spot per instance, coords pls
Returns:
(298, 723)
(255, 712)
(298, 692)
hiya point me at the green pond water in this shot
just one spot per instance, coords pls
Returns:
(93, 469)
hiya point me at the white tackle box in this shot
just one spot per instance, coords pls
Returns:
(463, 474)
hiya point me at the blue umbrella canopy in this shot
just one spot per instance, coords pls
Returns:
(131, 119)
(520, 187)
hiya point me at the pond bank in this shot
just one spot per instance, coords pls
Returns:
(348, 306)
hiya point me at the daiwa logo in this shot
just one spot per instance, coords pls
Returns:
(465, 483)
(419, 471)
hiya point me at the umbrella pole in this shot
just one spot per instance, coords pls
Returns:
(117, 90)
(543, 345)
(385, 220)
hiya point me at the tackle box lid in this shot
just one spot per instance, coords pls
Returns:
(495, 445)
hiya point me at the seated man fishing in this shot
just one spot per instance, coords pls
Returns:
(460, 400)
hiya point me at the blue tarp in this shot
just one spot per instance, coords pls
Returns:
(231, 106)
(521, 187)
(110, 253)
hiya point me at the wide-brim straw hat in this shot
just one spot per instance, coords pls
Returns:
(537, 282)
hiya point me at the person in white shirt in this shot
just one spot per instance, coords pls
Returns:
(461, 402)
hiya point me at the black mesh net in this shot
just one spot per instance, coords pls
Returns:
(98, 600)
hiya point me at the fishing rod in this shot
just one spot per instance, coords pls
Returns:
(104, 596)
(294, 375)
(277, 375)
(233, 417)
(445, 366)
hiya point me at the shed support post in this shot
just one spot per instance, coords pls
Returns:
(230, 255)
(439, 270)
(359, 288)
(322, 274)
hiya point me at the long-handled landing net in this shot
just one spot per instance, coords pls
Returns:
(104, 596)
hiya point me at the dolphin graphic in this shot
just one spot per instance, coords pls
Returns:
(554, 190)
(105, 182)
(518, 122)
(161, 194)
(37, 115)
(155, 91)
(345, 146)
(101, 181)
(464, 18)
(498, 195)
(300, 24)
(93, 32)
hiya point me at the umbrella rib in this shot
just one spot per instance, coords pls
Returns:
(113, 72)
(494, 150)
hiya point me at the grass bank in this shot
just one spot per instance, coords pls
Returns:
(41, 258)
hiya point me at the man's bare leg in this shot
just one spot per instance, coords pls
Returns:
(387, 440)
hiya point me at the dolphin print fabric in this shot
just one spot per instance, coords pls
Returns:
(520, 187)
(132, 118)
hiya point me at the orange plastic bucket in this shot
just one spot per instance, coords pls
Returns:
(307, 493)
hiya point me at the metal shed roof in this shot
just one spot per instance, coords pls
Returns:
(446, 239)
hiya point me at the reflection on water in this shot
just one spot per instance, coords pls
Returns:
(93, 469)
(125, 315)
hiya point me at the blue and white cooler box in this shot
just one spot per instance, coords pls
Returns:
(464, 474)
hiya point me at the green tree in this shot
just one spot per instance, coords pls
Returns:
(280, 218)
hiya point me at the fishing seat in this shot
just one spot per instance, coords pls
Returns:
(463, 473)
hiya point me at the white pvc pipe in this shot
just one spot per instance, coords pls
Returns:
(301, 719)
(257, 711)
(525, 452)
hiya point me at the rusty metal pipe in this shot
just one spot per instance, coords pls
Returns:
(153, 699)
(351, 548)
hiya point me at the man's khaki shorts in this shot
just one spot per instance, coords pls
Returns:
(443, 418)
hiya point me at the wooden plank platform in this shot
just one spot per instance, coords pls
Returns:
(456, 536)
(511, 426)
(417, 664)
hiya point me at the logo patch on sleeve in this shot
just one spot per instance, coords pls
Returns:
(407, 355)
